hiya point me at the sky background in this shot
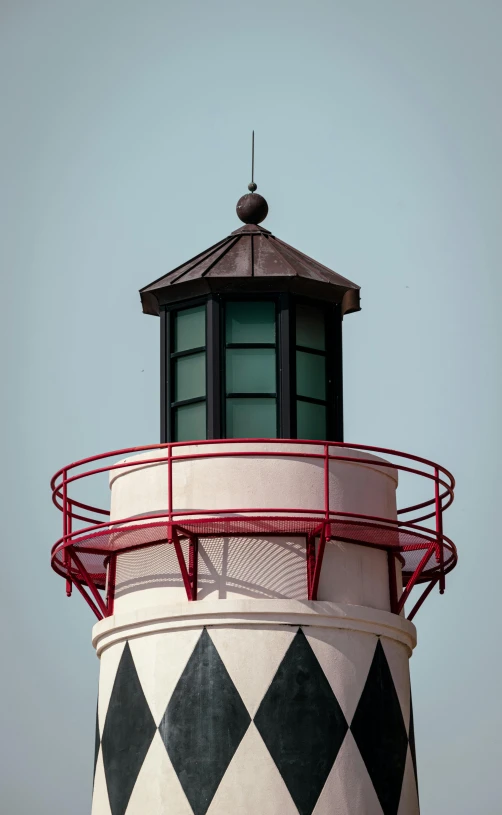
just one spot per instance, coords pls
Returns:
(124, 146)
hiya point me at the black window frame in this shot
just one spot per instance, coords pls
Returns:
(236, 298)
(323, 353)
(334, 373)
(285, 344)
(168, 359)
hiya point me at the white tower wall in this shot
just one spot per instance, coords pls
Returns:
(254, 699)
(255, 566)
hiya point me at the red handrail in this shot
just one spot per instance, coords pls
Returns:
(95, 540)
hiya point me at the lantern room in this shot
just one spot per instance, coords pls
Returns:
(251, 339)
(252, 450)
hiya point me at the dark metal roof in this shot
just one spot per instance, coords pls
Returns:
(250, 259)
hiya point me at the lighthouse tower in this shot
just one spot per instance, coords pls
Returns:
(254, 576)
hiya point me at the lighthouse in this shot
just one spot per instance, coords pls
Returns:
(255, 577)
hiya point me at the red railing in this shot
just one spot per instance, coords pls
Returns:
(87, 556)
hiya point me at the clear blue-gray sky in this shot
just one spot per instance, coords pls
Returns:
(124, 145)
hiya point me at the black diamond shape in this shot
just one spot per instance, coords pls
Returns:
(127, 735)
(204, 724)
(302, 724)
(411, 739)
(97, 742)
(380, 733)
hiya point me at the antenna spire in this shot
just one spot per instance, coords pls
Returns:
(252, 209)
(252, 187)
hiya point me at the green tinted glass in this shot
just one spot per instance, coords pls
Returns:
(310, 327)
(251, 418)
(251, 370)
(310, 420)
(250, 322)
(190, 422)
(190, 328)
(310, 375)
(190, 377)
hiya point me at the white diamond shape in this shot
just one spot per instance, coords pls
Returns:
(345, 657)
(408, 805)
(109, 662)
(157, 788)
(100, 802)
(160, 659)
(348, 788)
(399, 665)
(252, 782)
(252, 657)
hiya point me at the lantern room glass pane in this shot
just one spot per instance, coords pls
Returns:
(249, 323)
(251, 370)
(190, 422)
(310, 327)
(310, 375)
(310, 420)
(251, 418)
(190, 377)
(190, 328)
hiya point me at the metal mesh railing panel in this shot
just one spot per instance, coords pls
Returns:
(94, 549)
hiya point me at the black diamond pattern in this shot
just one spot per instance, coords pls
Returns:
(299, 720)
(411, 739)
(127, 735)
(380, 733)
(97, 742)
(302, 724)
(203, 725)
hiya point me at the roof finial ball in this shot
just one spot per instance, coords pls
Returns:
(251, 208)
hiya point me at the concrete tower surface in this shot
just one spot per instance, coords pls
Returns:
(251, 572)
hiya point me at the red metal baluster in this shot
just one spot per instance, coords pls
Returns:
(310, 564)
(87, 579)
(422, 598)
(182, 565)
(193, 562)
(415, 576)
(67, 559)
(327, 534)
(112, 572)
(170, 532)
(318, 564)
(81, 589)
(69, 530)
(391, 560)
(439, 529)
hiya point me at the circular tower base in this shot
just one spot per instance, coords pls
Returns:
(245, 706)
